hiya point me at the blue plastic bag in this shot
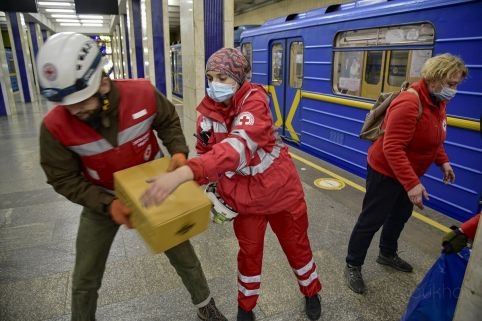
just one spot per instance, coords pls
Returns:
(435, 298)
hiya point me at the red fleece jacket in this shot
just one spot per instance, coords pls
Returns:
(410, 145)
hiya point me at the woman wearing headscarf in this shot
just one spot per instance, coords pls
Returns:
(240, 150)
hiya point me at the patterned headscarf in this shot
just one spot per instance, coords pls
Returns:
(230, 62)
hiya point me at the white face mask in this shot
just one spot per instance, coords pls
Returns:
(220, 92)
(446, 93)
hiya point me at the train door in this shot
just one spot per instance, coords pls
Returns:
(286, 76)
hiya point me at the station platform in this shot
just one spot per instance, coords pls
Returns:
(38, 228)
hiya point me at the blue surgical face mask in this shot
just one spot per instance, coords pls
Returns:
(446, 93)
(220, 92)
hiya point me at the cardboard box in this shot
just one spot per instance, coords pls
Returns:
(182, 215)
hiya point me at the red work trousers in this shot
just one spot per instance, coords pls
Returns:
(291, 228)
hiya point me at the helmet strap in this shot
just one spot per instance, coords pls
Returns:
(104, 101)
(95, 119)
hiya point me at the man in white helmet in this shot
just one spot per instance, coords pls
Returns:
(98, 127)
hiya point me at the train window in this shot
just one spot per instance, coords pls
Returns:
(347, 78)
(420, 34)
(296, 64)
(357, 38)
(417, 58)
(277, 64)
(247, 51)
(397, 68)
(373, 67)
(362, 68)
(367, 73)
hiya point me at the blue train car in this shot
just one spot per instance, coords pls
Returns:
(176, 59)
(324, 68)
(238, 30)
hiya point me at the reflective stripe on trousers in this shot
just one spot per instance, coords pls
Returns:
(291, 229)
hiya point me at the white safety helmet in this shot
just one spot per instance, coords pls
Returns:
(220, 212)
(69, 67)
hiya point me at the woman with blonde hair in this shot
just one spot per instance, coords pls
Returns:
(396, 161)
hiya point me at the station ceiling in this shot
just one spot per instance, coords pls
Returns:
(64, 15)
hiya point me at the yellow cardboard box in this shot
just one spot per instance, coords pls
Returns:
(182, 215)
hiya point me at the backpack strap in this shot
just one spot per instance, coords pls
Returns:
(413, 91)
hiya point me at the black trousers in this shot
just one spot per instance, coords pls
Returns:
(386, 204)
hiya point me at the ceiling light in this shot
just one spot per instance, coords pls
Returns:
(67, 20)
(60, 10)
(92, 21)
(55, 3)
(92, 24)
(73, 16)
(69, 24)
(83, 16)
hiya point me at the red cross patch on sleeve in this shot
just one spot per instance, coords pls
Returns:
(245, 118)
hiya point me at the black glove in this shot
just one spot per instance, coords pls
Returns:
(454, 241)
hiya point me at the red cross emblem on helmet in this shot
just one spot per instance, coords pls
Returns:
(50, 72)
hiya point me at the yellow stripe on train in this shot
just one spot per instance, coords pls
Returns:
(451, 121)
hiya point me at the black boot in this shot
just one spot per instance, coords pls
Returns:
(313, 307)
(354, 279)
(395, 262)
(210, 312)
(245, 315)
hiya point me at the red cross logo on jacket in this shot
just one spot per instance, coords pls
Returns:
(245, 118)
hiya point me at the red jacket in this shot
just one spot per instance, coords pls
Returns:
(410, 145)
(137, 143)
(252, 167)
(470, 227)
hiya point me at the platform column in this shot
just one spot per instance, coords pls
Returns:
(228, 23)
(7, 102)
(167, 50)
(125, 46)
(193, 63)
(137, 44)
(131, 44)
(33, 43)
(21, 53)
(44, 35)
(153, 43)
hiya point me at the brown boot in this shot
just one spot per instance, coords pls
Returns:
(210, 312)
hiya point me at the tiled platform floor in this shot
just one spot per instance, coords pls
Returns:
(38, 229)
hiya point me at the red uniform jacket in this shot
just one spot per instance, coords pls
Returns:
(410, 145)
(137, 143)
(241, 150)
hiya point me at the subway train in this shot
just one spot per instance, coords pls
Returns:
(238, 30)
(324, 68)
(176, 59)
